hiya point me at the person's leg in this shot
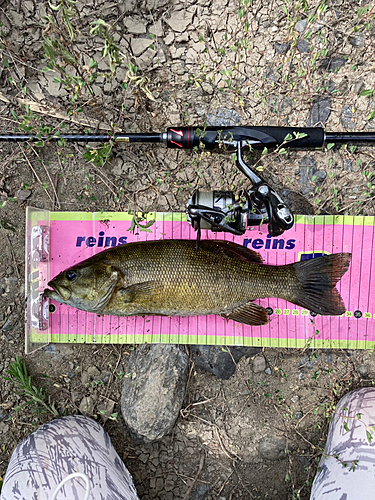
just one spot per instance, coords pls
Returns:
(350, 441)
(61, 447)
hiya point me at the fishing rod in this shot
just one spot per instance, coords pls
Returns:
(223, 210)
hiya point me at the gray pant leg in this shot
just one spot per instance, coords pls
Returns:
(61, 447)
(348, 440)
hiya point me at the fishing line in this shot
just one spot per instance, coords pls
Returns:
(68, 478)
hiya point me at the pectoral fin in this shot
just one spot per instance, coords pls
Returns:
(249, 314)
(141, 291)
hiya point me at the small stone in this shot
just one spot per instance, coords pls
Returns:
(357, 40)
(268, 371)
(363, 370)
(4, 415)
(309, 175)
(331, 86)
(220, 361)
(4, 428)
(303, 46)
(280, 105)
(321, 109)
(348, 165)
(282, 48)
(200, 492)
(301, 25)
(259, 364)
(93, 371)
(11, 322)
(273, 448)
(298, 415)
(207, 87)
(105, 409)
(294, 399)
(333, 64)
(22, 194)
(347, 118)
(85, 378)
(87, 406)
(358, 86)
(105, 377)
(270, 74)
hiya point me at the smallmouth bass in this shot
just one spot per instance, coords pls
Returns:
(173, 278)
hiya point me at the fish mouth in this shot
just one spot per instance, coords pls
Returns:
(58, 293)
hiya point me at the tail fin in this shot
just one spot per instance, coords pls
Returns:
(318, 278)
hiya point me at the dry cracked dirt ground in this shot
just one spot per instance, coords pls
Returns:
(292, 62)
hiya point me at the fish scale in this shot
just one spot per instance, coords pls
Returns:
(173, 277)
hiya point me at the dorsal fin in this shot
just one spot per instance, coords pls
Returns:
(231, 249)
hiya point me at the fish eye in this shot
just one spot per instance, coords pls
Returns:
(71, 275)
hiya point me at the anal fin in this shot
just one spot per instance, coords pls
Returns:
(249, 314)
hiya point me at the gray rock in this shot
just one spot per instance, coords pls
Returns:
(153, 391)
(270, 75)
(308, 174)
(93, 371)
(363, 370)
(22, 194)
(301, 25)
(282, 48)
(273, 448)
(200, 492)
(321, 109)
(4, 415)
(259, 364)
(87, 406)
(298, 415)
(358, 86)
(180, 20)
(220, 361)
(333, 64)
(303, 46)
(268, 371)
(348, 165)
(357, 40)
(280, 105)
(10, 322)
(223, 117)
(331, 86)
(348, 118)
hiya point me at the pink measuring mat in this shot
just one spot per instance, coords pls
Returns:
(61, 239)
